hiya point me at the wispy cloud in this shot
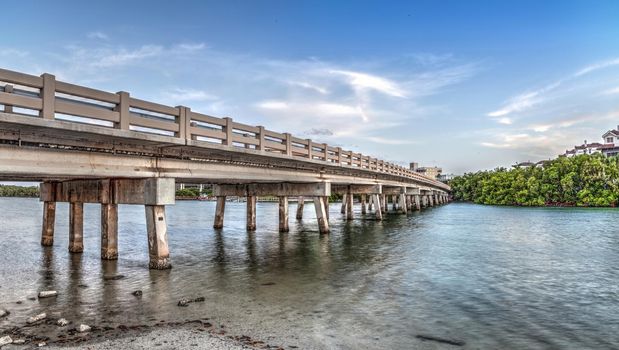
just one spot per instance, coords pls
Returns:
(184, 95)
(12, 53)
(524, 101)
(98, 35)
(364, 81)
(389, 141)
(597, 66)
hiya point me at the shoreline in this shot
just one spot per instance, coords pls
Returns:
(190, 334)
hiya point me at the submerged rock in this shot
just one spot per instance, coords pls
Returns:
(48, 294)
(4, 313)
(6, 340)
(137, 293)
(36, 318)
(62, 322)
(199, 299)
(184, 302)
(83, 328)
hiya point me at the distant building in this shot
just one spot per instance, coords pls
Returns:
(432, 172)
(524, 165)
(585, 148)
(445, 177)
(611, 143)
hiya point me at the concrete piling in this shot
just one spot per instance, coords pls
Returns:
(251, 213)
(76, 227)
(219, 212)
(300, 205)
(283, 214)
(49, 218)
(109, 231)
(321, 214)
(156, 227)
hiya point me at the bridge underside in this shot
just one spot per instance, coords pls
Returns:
(80, 163)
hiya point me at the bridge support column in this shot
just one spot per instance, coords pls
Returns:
(344, 202)
(326, 204)
(363, 205)
(424, 201)
(394, 203)
(402, 203)
(417, 202)
(320, 204)
(379, 211)
(383, 203)
(349, 206)
(431, 200)
(251, 213)
(76, 227)
(219, 212)
(109, 231)
(409, 206)
(300, 205)
(156, 227)
(371, 203)
(49, 218)
(283, 214)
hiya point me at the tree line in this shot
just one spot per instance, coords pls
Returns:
(18, 191)
(584, 180)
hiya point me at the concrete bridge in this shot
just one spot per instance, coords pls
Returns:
(93, 146)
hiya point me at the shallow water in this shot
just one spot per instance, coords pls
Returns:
(492, 277)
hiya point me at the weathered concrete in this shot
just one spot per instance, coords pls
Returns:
(109, 231)
(378, 211)
(321, 215)
(344, 202)
(219, 212)
(363, 204)
(274, 189)
(356, 188)
(152, 191)
(283, 214)
(300, 206)
(402, 203)
(383, 203)
(49, 218)
(326, 204)
(349, 206)
(76, 227)
(417, 201)
(156, 227)
(251, 213)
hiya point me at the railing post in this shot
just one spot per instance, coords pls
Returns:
(288, 144)
(228, 131)
(183, 123)
(48, 96)
(260, 138)
(326, 149)
(123, 110)
(9, 90)
(309, 149)
(339, 155)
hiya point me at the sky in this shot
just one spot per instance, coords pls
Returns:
(464, 85)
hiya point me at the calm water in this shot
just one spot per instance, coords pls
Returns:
(492, 277)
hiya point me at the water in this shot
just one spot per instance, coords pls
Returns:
(492, 277)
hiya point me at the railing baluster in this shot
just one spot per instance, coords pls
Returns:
(8, 88)
(48, 95)
(123, 110)
(228, 131)
(260, 138)
(309, 149)
(288, 144)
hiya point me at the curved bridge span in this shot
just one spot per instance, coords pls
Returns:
(92, 146)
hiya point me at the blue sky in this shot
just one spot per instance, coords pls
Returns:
(465, 85)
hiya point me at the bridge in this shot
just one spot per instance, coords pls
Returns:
(91, 146)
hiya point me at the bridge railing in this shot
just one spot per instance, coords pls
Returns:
(45, 97)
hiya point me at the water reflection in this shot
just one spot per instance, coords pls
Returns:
(492, 277)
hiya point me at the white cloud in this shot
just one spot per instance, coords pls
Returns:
(98, 35)
(12, 53)
(273, 105)
(188, 47)
(309, 86)
(179, 94)
(505, 120)
(524, 101)
(612, 91)
(597, 66)
(364, 81)
(389, 141)
(124, 57)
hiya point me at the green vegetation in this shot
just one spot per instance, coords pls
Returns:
(585, 180)
(192, 192)
(18, 191)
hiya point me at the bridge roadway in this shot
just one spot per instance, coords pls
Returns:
(92, 146)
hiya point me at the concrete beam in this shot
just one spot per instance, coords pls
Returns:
(392, 190)
(316, 189)
(356, 189)
(151, 191)
(413, 190)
